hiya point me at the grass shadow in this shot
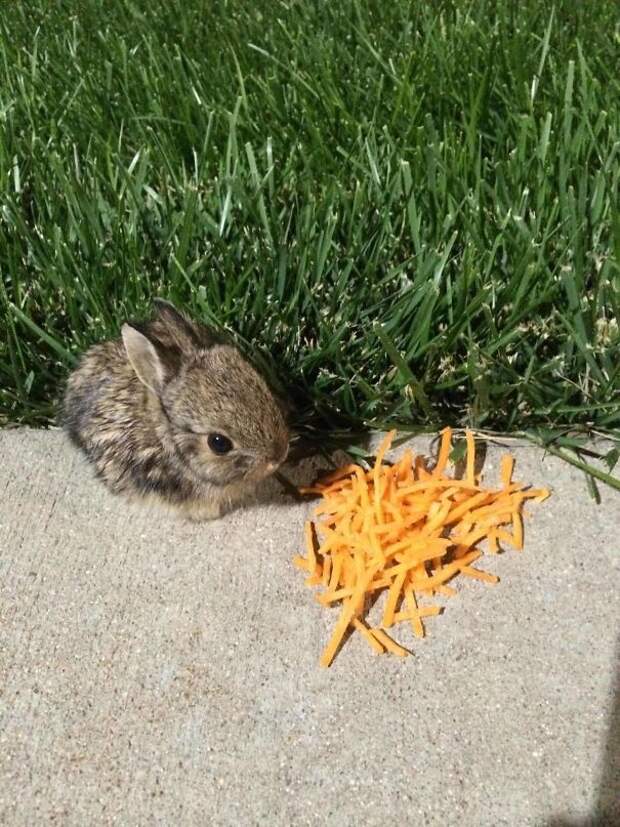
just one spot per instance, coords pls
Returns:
(606, 811)
(608, 802)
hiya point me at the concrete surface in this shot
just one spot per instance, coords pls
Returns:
(153, 672)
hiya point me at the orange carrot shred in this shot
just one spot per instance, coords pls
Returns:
(383, 449)
(446, 591)
(400, 532)
(404, 469)
(368, 635)
(349, 610)
(421, 611)
(392, 598)
(389, 644)
(479, 575)
(506, 469)
(517, 522)
(327, 569)
(414, 613)
(444, 452)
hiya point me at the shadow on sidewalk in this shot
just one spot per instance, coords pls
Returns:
(607, 809)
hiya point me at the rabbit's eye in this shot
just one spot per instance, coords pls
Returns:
(219, 443)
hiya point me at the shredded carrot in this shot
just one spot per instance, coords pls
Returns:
(414, 613)
(517, 522)
(446, 591)
(366, 633)
(327, 570)
(392, 599)
(389, 644)
(479, 575)
(506, 469)
(422, 611)
(405, 531)
(444, 452)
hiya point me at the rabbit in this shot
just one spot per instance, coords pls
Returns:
(171, 411)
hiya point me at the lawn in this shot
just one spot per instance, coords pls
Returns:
(405, 212)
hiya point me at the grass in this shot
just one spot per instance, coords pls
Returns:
(406, 212)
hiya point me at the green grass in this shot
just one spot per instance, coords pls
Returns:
(407, 212)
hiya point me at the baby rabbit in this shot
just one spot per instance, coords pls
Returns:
(169, 410)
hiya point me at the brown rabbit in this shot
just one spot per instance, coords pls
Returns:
(169, 410)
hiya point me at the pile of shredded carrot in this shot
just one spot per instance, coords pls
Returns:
(405, 530)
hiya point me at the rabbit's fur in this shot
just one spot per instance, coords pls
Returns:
(142, 408)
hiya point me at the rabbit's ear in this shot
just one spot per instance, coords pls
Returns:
(167, 312)
(144, 358)
(180, 329)
(181, 332)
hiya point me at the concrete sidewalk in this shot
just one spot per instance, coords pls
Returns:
(154, 672)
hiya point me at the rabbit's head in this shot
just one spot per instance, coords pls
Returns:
(226, 425)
